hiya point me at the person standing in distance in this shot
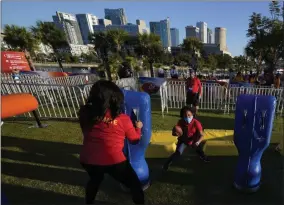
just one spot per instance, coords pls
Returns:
(174, 73)
(105, 128)
(194, 91)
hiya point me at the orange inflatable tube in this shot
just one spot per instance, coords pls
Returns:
(17, 104)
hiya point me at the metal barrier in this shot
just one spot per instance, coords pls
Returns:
(215, 96)
(55, 101)
(235, 91)
(63, 102)
(64, 80)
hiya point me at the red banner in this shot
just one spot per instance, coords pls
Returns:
(11, 60)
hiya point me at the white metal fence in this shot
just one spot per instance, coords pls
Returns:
(55, 101)
(215, 96)
(38, 79)
(63, 102)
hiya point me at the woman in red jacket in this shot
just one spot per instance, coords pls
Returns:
(104, 129)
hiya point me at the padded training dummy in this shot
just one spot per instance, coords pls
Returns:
(138, 106)
(254, 117)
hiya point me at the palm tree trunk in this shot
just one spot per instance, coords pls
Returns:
(151, 69)
(59, 62)
(107, 68)
(29, 59)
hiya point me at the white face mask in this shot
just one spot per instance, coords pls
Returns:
(188, 119)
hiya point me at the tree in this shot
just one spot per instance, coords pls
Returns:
(51, 36)
(167, 59)
(266, 35)
(107, 44)
(115, 63)
(20, 39)
(102, 47)
(242, 63)
(224, 61)
(150, 48)
(74, 59)
(182, 59)
(211, 63)
(117, 38)
(193, 46)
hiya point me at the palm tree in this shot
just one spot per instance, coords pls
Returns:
(102, 47)
(51, 36)
(192, 45)
(20, 39)
(117, 38)
(212, 63)
(150, 48)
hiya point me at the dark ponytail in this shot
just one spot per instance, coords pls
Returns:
(104, 96)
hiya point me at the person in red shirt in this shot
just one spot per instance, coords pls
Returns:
(194, 91)
(190, 133)
(105, 128)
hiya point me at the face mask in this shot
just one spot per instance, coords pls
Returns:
(188, 119)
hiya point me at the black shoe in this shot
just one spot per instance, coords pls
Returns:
(204, 158)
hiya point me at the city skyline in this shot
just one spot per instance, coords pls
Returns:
(235, 22)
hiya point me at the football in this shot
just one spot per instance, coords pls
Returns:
(178, 130)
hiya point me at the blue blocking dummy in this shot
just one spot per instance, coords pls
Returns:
(138, 106)
(254, 117)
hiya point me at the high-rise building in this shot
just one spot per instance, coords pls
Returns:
(202, 31)
(104, 22)
(162, 29)
(192, 31)
(117, 16)
(175, 37)
(209, 36)
(221, 38)
(131, 29)
(68, 23)
(86, 23)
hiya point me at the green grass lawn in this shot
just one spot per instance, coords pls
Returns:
(41, 166)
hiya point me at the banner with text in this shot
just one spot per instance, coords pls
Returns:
(11, 60)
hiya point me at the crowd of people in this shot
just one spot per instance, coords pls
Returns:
(264, 79)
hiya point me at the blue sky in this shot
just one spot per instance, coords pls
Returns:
(231, 15)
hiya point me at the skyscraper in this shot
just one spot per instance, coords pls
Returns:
(202, 31)
(132, 29)
(68, 23)
(209, 36)
(221, 38)
(162, 29)
(117, 16)
(192, 31)
(86, 23)
(175, 37)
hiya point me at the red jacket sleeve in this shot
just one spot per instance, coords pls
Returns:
(198, 126)
(131, 133)
(199, 87)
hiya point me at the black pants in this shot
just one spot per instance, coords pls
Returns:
(192, 98)
(122, 172)
(178, 152)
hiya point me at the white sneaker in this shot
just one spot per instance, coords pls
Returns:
(2, 123)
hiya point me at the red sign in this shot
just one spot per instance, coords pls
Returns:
(11, 60)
